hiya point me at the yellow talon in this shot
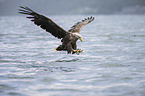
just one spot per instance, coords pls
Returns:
(78, 51)
(55, 51)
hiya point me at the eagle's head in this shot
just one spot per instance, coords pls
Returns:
(78, 36)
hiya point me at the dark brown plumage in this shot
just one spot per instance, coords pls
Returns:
(69, 37)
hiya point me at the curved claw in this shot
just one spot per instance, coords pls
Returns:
(78, 51)
(55, 50)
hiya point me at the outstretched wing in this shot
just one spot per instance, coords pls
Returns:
(79, 25)
(44, 22)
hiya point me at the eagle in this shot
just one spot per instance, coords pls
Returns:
(68, 38)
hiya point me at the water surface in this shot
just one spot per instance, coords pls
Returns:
(112, 63)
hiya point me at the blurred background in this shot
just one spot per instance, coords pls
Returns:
(52, 7)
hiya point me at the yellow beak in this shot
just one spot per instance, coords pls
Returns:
(81, 39)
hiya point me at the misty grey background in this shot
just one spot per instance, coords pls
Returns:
(66, 7)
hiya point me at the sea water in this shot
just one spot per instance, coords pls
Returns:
(112, 62)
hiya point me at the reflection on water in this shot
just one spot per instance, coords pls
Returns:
(55, 68)
(67, 60)
(112, 63)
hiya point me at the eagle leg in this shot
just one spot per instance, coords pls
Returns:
(69, 48)
(60, 48)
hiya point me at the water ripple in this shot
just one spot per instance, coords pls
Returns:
(112, 63)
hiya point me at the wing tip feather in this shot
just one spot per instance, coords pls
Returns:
(84, 21)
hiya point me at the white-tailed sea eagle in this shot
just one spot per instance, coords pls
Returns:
(68, 38)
